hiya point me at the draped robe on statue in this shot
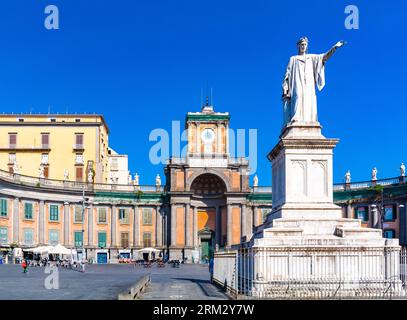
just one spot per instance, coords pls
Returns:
(302, 74)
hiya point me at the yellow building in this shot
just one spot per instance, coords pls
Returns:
(61, 147)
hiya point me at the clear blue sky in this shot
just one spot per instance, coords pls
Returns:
(143, 63)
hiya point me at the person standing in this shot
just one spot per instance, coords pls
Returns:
(24, 266)
(211, 269)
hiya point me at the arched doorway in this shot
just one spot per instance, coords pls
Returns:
(209, 195)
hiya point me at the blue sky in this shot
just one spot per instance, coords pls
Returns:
(142, 64)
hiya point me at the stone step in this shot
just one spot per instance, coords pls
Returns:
(359, 233)
(282, 232)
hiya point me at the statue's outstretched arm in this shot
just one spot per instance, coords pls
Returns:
(333, 49)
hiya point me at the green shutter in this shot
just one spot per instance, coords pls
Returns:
(102, 239)
(3, 207)
(28, 210)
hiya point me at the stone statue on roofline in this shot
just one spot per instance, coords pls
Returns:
(304, 72)
(158, 180)
(347, 177)
(41, 172)
(255, 181)
(402, 170)
(66, 175)
(374, 174)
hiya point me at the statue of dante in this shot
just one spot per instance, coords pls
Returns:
(304, 71)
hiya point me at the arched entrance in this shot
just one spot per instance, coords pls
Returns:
(209, 199)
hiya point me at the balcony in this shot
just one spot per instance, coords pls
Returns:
(78, 147)
(210, 160)
(26, 148)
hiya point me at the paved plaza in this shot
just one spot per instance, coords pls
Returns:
(105, 282)
(189, 282)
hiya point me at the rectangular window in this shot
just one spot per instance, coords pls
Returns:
(146, 239)
(147, 216)
(78, 236)
(28, 236)
(125, 239)
(11, 158)
(78, 214)
(3, 235)
(389, 213)
(28, 210)
(79, 140)
(362, 214)
(45, 140)
(12, 139)
(124, 215)
(389, 234)
(79, 173)
(3, 207)
(79, 158)
(53, 212)
(264, 213)
(53, 237)
(102, 239)
(46, 172)
(44, 158)
(102, 215)
(114, 164)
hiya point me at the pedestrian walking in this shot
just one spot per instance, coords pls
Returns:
(24, 266)
(211, 269)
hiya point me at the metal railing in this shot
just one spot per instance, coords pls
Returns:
(317, 273)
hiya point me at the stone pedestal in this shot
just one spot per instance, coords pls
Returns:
(305, 240)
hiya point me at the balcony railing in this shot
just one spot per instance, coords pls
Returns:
(76, 185)
(32, 147)
(213, 160)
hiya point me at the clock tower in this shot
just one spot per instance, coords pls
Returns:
(208, 133)
(207, 190)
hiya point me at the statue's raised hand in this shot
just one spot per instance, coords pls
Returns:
(340, 44)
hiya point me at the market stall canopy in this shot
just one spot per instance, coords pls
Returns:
(59, 249)
(148, 250)
(41, 249)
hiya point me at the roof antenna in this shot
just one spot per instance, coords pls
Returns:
(49, 109)
(211, 96)
(201, 97)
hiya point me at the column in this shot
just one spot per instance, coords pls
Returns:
(90, 225)
(113, 224)
(249, 222)
(188, 235)
(41, 223)
(227, 138)
(349, 211)
(66, 223)
(243, 222)
(198, 140)
(218, 225)
(136, 227)
(218, 138)
(16, 220)
(229, 225)
(158, 229)
(173, 225)
(255, 220)
(195, 227)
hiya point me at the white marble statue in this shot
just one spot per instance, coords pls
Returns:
(374, 174)
(347, 176)
(158, 180)
(136, 179)
(90, 176)
(41, 172)
(66, 175)
(304, 72)
(402, 170)
(255, 181)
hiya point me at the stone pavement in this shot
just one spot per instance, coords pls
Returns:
(103, 282)
(188, 282)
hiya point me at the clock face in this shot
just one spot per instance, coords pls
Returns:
(208, 135)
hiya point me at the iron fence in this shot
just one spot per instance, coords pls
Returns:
(313, 273)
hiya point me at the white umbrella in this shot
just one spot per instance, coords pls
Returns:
(59, 249)
(42, 249)
(149, 250)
